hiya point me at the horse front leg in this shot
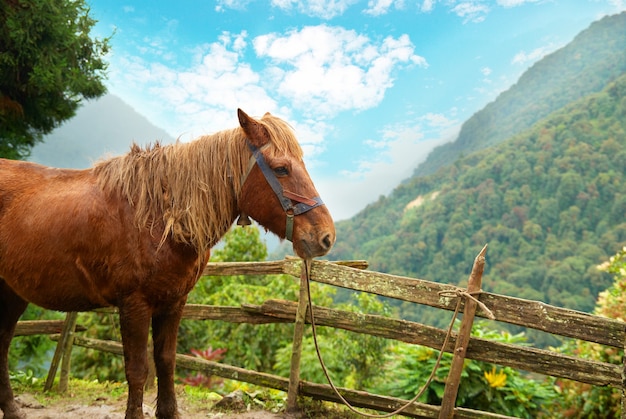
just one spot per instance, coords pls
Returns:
(11, 308)
(134, 325)
(164, 334)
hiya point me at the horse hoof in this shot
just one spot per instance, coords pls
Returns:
(174, 415)
(134, 414)
(14, 414)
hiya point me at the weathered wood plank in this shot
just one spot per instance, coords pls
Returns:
(229, 314)
(274, 267)
(389, 404)
(41, 327)
(520, 357)
(533, 314)
(249, 268)
(110, 346)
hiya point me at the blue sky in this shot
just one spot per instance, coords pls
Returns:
(369, 86)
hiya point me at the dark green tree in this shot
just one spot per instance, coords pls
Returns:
(48, 63)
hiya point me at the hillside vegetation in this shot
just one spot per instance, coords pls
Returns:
(550, 202)
(596, 57)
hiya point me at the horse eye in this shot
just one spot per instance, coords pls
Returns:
(281, 171)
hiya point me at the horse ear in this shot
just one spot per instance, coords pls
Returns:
(257, 134)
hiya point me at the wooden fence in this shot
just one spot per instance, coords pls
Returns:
(350, 275)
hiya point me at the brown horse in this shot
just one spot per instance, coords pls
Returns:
(135, 232)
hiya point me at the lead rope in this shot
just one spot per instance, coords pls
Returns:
(307, 266)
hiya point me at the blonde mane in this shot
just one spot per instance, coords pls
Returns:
(193, 188)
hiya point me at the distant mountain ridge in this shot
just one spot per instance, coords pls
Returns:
(596, 57)
(104, 127)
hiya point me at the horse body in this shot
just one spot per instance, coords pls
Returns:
(104, 258)
(135, 232)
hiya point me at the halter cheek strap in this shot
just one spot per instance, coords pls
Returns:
(285, 197)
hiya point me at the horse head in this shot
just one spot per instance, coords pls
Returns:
(278, 192)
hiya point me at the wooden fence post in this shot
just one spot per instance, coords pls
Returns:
(454, 376)
(64, 346)
(296, 351)
(624, 383)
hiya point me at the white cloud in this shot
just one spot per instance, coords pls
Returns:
(325, 9)
(471, 11)
(402, 146)
(514, 3)
(379, 7)
(318, 70)
(283, 4)
(231, 4)
(474, 11)
(618, 5)
(524, 58)
(427, 6)
(330, 69)
(438, 120)
(397, 152)
(200, 98)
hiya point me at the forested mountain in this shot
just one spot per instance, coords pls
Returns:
(586, 65)
(550, 203)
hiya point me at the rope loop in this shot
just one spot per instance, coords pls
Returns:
(461, 293)
(454, 293)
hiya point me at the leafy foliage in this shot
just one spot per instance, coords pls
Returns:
(48, 62)
(249, 346)
(353, 360)
(199, 379)
(483, 386)
(583, 400)
(31, 354)
(93, 364)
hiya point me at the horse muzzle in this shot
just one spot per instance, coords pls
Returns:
(316, 243)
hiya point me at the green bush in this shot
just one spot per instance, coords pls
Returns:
(581, 400)
(32, 354)
(484, 386)
(92, 364)
(353, 360)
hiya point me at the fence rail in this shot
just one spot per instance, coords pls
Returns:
(350, 275)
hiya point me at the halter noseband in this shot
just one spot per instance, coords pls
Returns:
(285, 197)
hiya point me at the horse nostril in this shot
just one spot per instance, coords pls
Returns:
(327, 241)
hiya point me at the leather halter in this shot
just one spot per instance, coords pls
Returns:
(285, 197)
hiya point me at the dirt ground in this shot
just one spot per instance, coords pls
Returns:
(103, 408)
(93, 400)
